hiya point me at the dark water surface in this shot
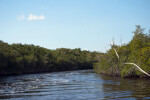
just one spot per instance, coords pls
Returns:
(72, 85)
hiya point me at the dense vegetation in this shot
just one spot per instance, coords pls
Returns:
(136, 51)
(20, 59)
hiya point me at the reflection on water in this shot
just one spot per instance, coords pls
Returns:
(72, 85)
(127, 88)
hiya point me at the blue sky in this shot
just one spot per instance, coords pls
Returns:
(85, 24)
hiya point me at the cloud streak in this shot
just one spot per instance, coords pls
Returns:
(20, 17)
(30, 17)
(35, 17)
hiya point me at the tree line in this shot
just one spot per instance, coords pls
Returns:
(136, 51)
(21, 59)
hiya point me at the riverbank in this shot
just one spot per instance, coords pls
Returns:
(129, 60)
(28, 73)
(17, 59)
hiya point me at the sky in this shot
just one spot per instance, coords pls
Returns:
(86, 24)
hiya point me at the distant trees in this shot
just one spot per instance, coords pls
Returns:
(136, 51)
(19, 59)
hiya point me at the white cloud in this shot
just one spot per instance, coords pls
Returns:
(20, 17)
(35, 17)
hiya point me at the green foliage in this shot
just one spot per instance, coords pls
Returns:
(137, 51)
(20, 59)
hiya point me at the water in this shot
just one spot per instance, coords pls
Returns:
(72, 85)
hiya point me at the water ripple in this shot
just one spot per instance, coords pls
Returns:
(72, 85)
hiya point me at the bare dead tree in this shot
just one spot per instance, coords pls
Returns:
(139, 69)
(133, 64)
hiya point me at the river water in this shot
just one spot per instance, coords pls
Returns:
(72, 85)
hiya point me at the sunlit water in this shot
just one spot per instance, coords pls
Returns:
(72, 85)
